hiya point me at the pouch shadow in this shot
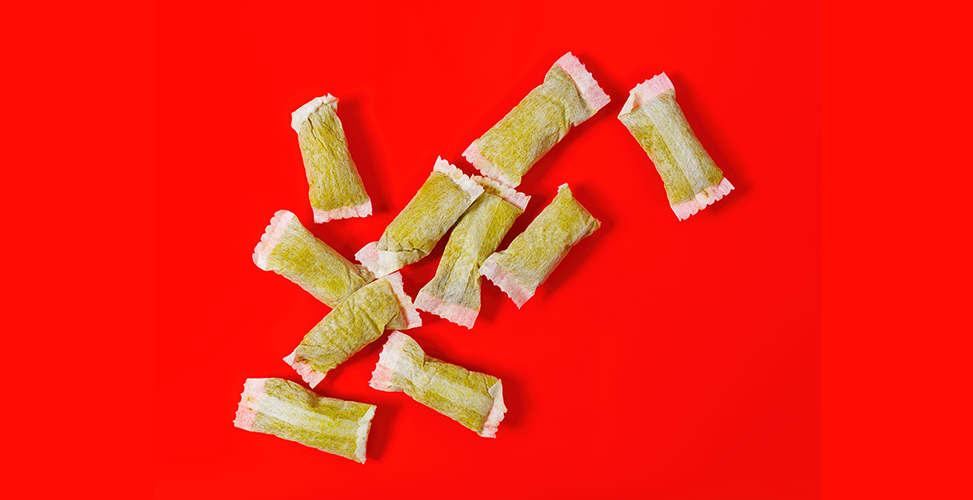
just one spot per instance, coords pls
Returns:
(714, 141)
(363, 150)
(382, 425)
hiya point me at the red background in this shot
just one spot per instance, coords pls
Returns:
(677, 359)
(146, 147)
(101, 150)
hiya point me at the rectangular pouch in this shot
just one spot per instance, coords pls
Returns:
(568, 97)
(470, 398)
(335, 187)
(358, 321)
(290, 250)
(692, 179)
(534, 253)
(289, 411)
(454, 293)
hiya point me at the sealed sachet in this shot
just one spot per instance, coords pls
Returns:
(335, 187)
(441, 200)
(289, 411)
(568, 97)
(692, 179)
(290, 250)
(470, 398)
(350, 326)
(454, 293)
(533, 254)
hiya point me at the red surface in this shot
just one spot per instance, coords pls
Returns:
(670, 359)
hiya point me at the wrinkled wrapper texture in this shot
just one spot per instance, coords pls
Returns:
(290, 250)
(352, 325)
(534, 253)
(692, 179)
(454, 293)
(335, 187)
(289, 411)
(568, 97)
(441, 200)
(470, 398)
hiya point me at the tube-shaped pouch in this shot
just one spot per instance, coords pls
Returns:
(335, 187)
(470, 398)
(454, 293)
(290, 250)
(568, 97)
(289, 411)
(534, 253)
(352, 325)
(441, 200)
(692, 179)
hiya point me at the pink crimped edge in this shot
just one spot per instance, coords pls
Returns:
(702, 199)
(496, 412)
(508, 194)
(483, 164)
(388, 360)
(363, 210)
(271, 237)
(306, 371)
(368, 256)
(364, 426)
(462, 180)
(506, 281)
(380, 263)
(246, 413)
(461, 315)
(646, 91)
(587, 86)
(407, 308)
(299, 116)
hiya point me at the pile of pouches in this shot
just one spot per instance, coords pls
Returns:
(369, 299)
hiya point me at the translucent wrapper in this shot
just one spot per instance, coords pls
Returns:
(454, 294)
(441, 200)
(692, 179)
(290, 250)
(568, 97)
(534, 253)
(352, 325)
(288, 411)
(470, 398)
(336, 189)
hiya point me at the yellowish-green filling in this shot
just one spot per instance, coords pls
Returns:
(663, 132)
(352, 325)
(534, 253)
(534, 126)
(451, 390)
(476, 235)
(331, 173)
(291, 412)
(316, 267)
(431, 212)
